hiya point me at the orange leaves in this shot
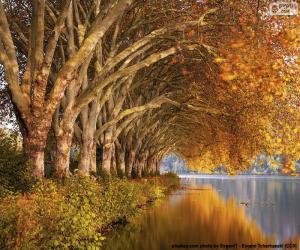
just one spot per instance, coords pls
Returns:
(226, 67)
(256, 88)
(227, 74)
(191, 34)
(195, 7)
(237, 44)
(285, 171)
(268, 99)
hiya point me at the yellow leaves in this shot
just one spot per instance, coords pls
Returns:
(291, 110)
(268, 99)
(292, 168)
(294, 174)
(228, 76)
(293, 35)
(278, 140)
(256, 86)
(234, 87)
(219, 60)
(276, 66)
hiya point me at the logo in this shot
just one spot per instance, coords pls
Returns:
(283, 8)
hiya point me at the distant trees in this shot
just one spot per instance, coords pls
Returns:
(250, 90)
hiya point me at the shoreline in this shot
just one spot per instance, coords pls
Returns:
(202, 176)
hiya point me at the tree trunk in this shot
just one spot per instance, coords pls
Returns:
(157, 170)
(130, 163)
(139, 168)
(36, 159)
(113, 165)
(63, 144)
(107, 151)
(150, 166)
(93, 166)
(144, 165)
(120, 161)
(34, 146)
(86, 152)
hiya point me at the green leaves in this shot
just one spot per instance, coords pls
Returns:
(14, 174)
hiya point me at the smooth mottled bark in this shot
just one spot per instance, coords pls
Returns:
(120, 153)
(85, 157)
(113, 165)
(93, 166)
(139, 168)
(107, 151)
(130, 165)
(63, 144)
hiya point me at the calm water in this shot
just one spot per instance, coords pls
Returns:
(221, 210)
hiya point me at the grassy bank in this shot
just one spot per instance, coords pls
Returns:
(76, 213)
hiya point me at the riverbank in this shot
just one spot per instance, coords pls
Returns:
(75, 213)
(225, 176)
(217, 212)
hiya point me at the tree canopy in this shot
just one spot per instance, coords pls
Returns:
(128, 81)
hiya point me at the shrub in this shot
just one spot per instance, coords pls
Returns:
(14, 175)
(8, 221)
(71, 214)
(167, 181)
(170, 180)
(53, 216)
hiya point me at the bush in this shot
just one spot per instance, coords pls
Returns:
(169, 181)
(14, 175)
(119, 200)
(71, 214)
(53, 216)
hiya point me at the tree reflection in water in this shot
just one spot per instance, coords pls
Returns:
(190, 217)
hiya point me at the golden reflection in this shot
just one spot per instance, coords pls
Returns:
(197, 217)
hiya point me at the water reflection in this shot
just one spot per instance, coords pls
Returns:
(274, 203)
(190, 217)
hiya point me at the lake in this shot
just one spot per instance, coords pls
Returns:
(239, 212)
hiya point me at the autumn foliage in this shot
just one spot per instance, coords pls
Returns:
(252, 84)
(127, 82)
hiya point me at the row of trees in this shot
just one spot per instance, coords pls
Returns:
(134, 80)
(92, 72)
